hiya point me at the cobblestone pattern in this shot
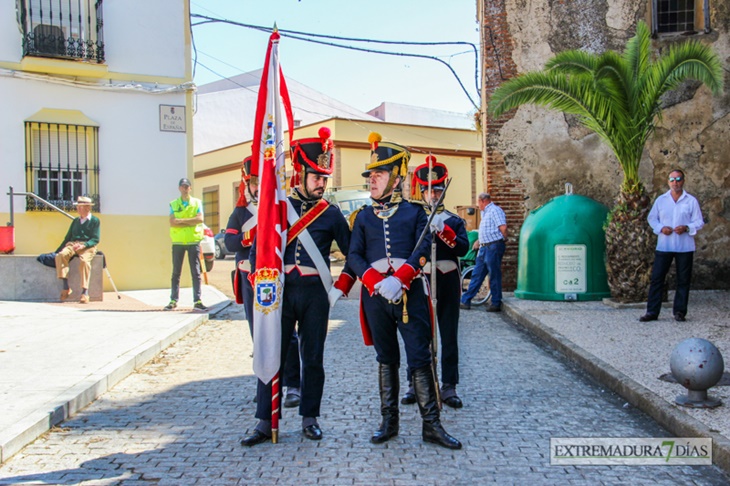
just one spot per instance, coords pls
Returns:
(179, 421)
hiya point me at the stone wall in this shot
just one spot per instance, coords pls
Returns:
(531, 153)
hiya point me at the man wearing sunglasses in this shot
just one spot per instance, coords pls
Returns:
(675, 219)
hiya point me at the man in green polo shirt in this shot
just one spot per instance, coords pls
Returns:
(186, 232)
(81, 240)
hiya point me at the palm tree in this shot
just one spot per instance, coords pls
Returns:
(618, 96)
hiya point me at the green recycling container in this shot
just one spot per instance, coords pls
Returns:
(562, 251)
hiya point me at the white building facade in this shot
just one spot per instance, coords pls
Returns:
(96, 100)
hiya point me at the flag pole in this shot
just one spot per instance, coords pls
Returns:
(268, 277)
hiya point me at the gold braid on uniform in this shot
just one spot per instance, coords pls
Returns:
(353, 215)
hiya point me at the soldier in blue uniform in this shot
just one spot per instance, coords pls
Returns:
(307, 293)
(394, 296)
(240, 233)
(452, 243)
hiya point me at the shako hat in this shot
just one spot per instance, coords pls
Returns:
(249, 175)
(386, 156)
(432, 170)
(315, 155)
(248, 171)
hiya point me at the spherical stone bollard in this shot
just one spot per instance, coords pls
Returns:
(697, 365)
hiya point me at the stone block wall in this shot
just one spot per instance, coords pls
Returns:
(26, 279)
(532, 152)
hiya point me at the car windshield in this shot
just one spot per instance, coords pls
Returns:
(350, 205)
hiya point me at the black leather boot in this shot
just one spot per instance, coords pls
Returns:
(425, 390)
(389, 387)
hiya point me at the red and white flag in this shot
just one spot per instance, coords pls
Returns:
(269, 156)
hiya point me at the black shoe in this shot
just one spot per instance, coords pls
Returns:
(494, 308)
(312, 432)
(435, 434)
(199, 306)
(255, 438)
(408, 399)
(292, 400)
(453, 402)
(388, 429)
(679, 317)
(465, 306)
(648, 317)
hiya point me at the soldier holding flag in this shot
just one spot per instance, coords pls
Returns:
(240, 233)
(308, 288)
(394, 297)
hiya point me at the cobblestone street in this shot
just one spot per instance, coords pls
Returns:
(180, 420)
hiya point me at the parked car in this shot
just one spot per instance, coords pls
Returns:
(207, 247)
(349, 201)
(220, 246)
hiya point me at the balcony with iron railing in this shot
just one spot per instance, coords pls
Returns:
(65, 29)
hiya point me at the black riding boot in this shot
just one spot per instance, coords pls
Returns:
(433, 431)
(389, 387)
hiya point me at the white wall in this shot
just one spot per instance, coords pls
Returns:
(140, 36)
(145, 36)
(11, 38)
(139, 165)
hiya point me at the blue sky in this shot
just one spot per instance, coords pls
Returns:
(360, 79)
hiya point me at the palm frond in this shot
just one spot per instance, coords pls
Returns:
(616, 96)
(574, 62)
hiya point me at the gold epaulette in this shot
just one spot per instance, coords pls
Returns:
(353, 215)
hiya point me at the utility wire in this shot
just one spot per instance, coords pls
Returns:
(299, 36)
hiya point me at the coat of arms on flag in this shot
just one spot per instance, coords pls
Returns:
(267, 289)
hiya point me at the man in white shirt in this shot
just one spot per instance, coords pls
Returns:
(675, 218)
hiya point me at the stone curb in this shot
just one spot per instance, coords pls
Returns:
(666, 414)
(71, 401)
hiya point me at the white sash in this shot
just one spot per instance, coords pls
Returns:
(306, 239)
(251, 222)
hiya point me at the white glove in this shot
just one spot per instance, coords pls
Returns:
(390, 288)
(437, 223)
(334, 295)
(437, 226)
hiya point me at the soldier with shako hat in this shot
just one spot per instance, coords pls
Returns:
(240, 233)
(309, 291)
(394, 297)
(452, 242)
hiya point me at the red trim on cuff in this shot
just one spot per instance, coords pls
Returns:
(406, 274)
(248, 237)
(231, 231)
(370, 278)
(448, 236)
(344, 283)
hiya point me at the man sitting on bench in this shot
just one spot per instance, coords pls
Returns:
(81, 241)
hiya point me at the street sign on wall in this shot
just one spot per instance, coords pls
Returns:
(172, 118)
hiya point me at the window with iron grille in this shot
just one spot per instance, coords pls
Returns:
(680, 16)
(62, 163)
(69, 29)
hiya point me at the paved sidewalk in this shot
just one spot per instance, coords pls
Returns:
(629, 356)
(57, 358)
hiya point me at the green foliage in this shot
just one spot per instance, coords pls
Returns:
(618, 96)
